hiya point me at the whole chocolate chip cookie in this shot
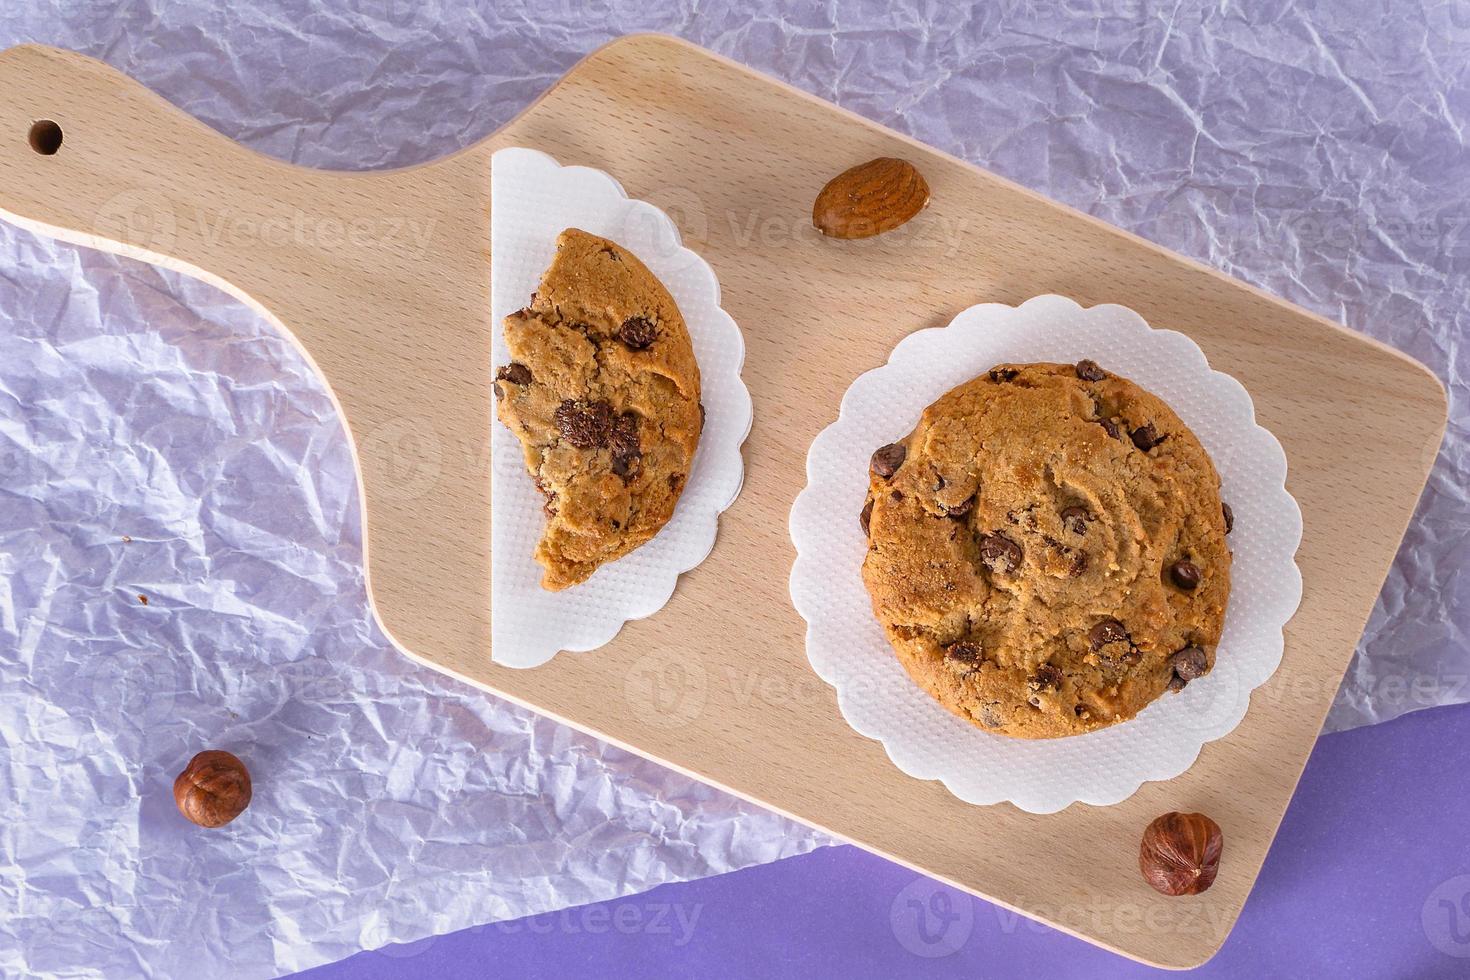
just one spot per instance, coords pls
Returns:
(603, 392)
(1046, 550)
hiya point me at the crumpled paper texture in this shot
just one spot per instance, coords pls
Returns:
(180, 568)
(1313, 153)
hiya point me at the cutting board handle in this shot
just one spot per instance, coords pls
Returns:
(90, 156)
(382, 279)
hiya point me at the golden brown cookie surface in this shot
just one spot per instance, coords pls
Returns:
(1047, 550)
(603, 392)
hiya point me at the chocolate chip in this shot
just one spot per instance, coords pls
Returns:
(586, 425)
(1047, 678)
(1075, 519)
(623, 441)
(637, 332)
(1185, 575)
(1079, 564)
(1176, 683)
(886, 461)
(1000, 375)
(1110, 427)
(866, 517)
(624, 436)
(1106, 631)
(1089, 371)
(676, 482)
(1229, 517)
(515, 372)
(999, 553)
(895, 495)
(960, 509)
(964, 652)
(1146, 437)
(1189, 664)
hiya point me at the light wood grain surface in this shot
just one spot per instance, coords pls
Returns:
(384, 279)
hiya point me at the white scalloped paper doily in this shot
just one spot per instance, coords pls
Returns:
(847, 647)
(533, 200)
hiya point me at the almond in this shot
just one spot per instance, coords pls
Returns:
(870, 199)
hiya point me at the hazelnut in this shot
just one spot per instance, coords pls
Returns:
(1180, 853)
(213, 789)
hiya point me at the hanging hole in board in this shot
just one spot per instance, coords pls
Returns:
(45, 137)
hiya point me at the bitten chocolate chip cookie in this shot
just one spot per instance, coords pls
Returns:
(603, 392)
(1046, 551)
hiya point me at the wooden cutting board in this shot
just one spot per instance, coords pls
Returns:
(384, 278)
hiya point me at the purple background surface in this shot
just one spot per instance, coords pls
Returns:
(1373, 845)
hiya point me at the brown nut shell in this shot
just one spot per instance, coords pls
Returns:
(1180, 853)
(870, 199)
(213, 789)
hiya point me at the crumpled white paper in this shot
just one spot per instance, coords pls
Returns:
(535, 199)
(847, 647)
(159, 442)
(1306, 152)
